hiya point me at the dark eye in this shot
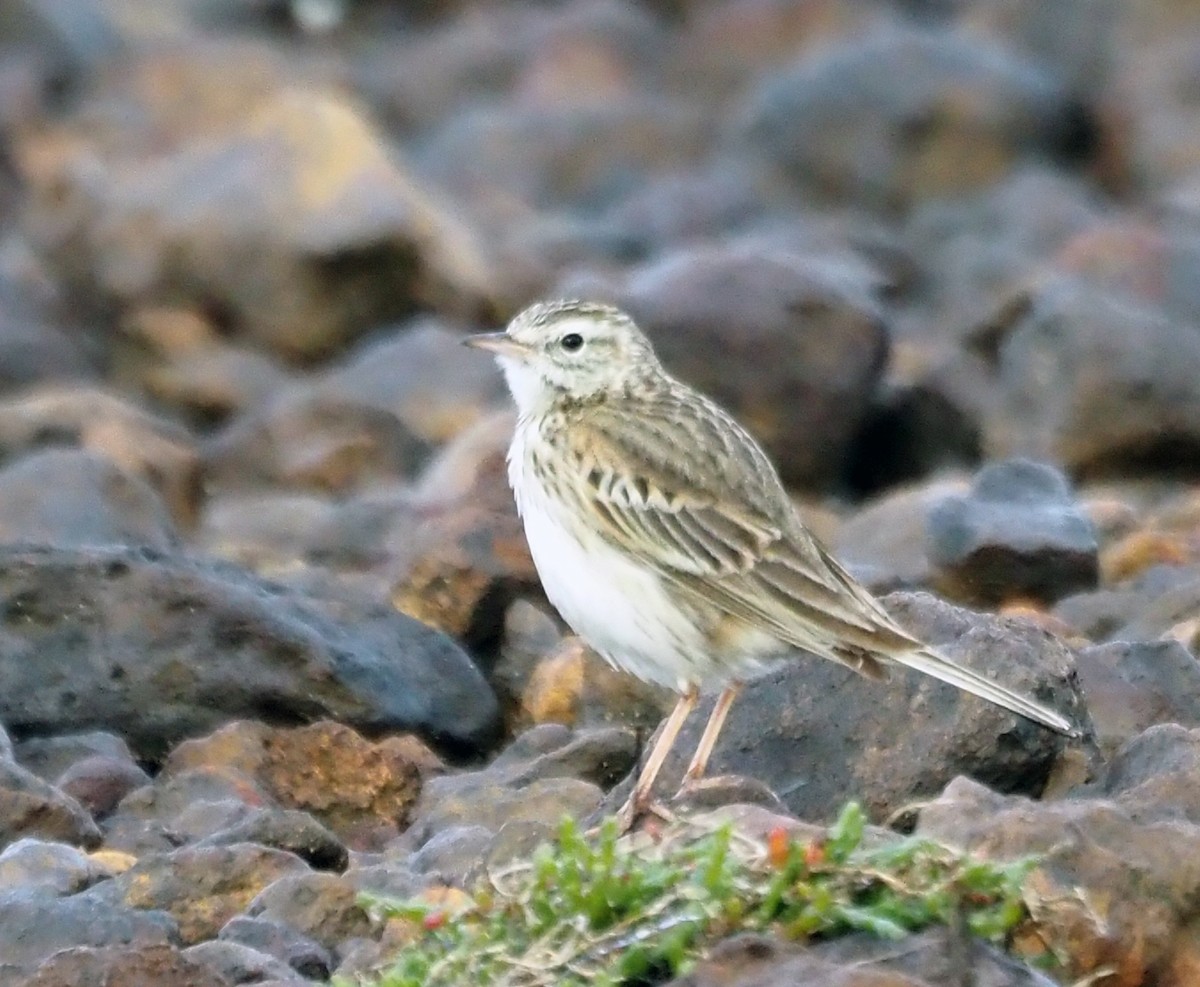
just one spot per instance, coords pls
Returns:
(571, 342)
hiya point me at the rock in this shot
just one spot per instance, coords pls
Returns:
(158, 452)
(163, 647)
(1107, 893)
(286, 829)
(1132, 685)
(307, 957)
(34, 926)
(31, 807)
(902, 116)
(239, 964)
(885, 544)
(1140, 608)
(363, 791)
(294, 218)
(52, 868)
(176, 357)
(182, 808)
(49, 757)
(1094, 380)
(423, 375)
(99, 783)
(454, 856)
(68, 498)
(1018, 533)
(201, 887)
(929, 959)
(791, 344)
(466, 558)
(818, 734)
(323, 907)
(130, 966)
(304, 439)
(1153, 777)
(266, 532)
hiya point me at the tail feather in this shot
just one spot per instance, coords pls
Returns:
(933, 664)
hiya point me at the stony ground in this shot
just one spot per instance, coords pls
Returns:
(270, 637)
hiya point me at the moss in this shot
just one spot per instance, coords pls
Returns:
(602, 912)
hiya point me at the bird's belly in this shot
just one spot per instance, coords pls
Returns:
(616, 606)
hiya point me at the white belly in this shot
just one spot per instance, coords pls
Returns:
(616, 606)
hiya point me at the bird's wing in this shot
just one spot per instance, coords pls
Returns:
(687, 492)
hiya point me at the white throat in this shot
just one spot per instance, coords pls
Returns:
(528, 389)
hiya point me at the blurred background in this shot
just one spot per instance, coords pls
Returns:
(240, 240)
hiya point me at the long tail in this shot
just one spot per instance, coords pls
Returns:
(931, 663)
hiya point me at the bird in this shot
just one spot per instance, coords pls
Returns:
(664, 537)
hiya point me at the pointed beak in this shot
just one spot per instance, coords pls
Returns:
(500, 343)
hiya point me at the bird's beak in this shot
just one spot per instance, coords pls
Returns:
(500, 343)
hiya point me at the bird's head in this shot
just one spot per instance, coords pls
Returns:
(568, 349)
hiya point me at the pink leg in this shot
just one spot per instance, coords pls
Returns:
(639, 799)
(708, 740)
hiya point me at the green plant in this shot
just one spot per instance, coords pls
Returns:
(604, 912)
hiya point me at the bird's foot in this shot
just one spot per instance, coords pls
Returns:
(636, 808)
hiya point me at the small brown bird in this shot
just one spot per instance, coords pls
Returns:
(663, 534)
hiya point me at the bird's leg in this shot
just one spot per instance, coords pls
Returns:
(712, 730)
(639, 799)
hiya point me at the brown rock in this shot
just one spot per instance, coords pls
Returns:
(306, 440)
(464, 561)
(1108, 892)
(99, 783)
(158, 452)
(294, 218)
(201, 887)
(323, 907)
(363, 791)
(31, 807)
(130, 966)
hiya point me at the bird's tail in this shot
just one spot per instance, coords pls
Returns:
(933, 664)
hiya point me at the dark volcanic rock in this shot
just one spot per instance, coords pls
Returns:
(819, 734)
(161, 647)
(53, 868)
(1098, 381)
(934, 958)
(239, 964)
(304, 955)
(286, 829)
(35, 926)
(99, 783)
(49, 757)
(323, 907)
(904, 116)
(792, 344)
(1132, 685)
(1018, 533)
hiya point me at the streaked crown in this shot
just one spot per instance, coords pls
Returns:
(571, 348)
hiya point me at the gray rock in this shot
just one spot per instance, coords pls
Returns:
(1017, 533)
(68, 497)
(323, 907)
(130, 966)
(286, 829)
(161, 647)
(819, 734)
(34, 927)
(887, 120)
(49, 757)
(1132, 685)
(54, 868)
(99, 783)
(238, 963)
(454, 855)
(304, 955)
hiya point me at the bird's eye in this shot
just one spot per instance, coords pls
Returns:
(571, 342)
